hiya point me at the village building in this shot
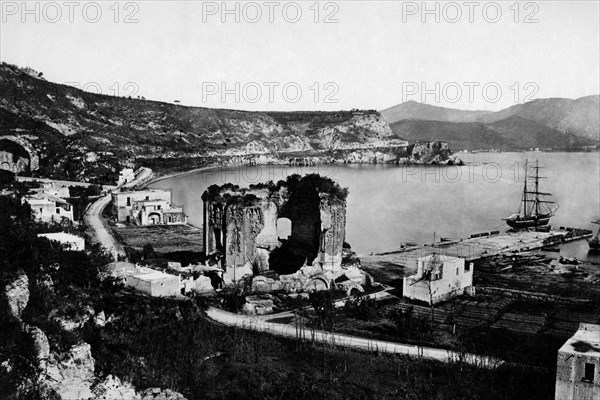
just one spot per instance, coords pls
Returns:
(438, 278)
(146, 280)
(156, 212)
(147, 207)
(48, 208)
(578, 365)
(51, 189)
(125, 176)
(71, 242)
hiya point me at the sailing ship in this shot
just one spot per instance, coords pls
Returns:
(534, 209)
(594, 242)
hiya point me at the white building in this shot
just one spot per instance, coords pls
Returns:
(47, 208)
(123, 201)
(438, 278)
(578, 365)
(152, 282)
(71, 242)
(125, 176)
(156, 212)
(52, 189)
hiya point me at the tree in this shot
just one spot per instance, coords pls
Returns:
(148, 251)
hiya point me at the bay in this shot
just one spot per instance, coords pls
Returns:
(390, 204)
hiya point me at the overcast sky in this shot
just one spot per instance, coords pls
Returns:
(369, 54)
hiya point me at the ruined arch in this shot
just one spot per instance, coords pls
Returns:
(280, 227)
(17, 154)
(317, 283)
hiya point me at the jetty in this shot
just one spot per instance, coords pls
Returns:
(480, 245)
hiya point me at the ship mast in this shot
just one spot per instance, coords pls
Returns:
(525, 192)
(537, 192)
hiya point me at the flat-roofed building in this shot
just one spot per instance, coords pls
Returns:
(71, 242)
(152, 282)
(578, 365)
(47, 208)
(123, 202)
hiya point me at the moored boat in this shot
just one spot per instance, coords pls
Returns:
(594, 242)
(535, 209)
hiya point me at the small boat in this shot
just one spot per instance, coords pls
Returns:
(534, 209)
(594, 242)
(551, 248)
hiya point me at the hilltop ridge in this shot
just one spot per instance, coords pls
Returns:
(556, 123)
(87, 136)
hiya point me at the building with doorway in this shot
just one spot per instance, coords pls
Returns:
(156, 212)
(578, 365)
(48, 208)
(438, 278)
(147, 207)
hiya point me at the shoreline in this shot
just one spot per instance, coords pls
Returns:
(213, 167)
(178, 174)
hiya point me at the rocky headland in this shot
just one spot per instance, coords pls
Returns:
(58, 131)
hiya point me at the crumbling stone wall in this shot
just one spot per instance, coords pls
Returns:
(17, 154)
(332, 236)
(241, 225)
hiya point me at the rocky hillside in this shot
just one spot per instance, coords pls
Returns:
(545, 123)
(514, 133)
(86, 136)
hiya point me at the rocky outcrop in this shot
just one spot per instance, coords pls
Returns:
(17, 295)
(40, 344)
(71, 375)
(258, 305)
(112, 388)
(429, 152)
(158, 394)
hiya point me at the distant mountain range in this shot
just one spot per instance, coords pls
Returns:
(546, 123)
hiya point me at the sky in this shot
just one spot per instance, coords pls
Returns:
(308, 55)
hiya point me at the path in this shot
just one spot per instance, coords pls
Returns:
(260, 325)
(101, 233)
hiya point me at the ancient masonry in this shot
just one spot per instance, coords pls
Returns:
(17, 154)
(247, 225)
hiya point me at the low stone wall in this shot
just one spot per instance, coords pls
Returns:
(521, 294)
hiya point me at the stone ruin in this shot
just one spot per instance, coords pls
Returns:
(288, 236)
(17, 155)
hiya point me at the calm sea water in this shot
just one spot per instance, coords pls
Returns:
(391, 204)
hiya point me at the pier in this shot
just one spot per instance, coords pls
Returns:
(479, 245)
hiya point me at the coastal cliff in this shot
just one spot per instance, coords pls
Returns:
(71, 134)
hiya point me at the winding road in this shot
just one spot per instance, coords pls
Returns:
(100, 232)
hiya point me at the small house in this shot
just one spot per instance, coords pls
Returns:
(438, 278)
(48, 208)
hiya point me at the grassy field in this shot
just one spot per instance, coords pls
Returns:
(164, 239)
